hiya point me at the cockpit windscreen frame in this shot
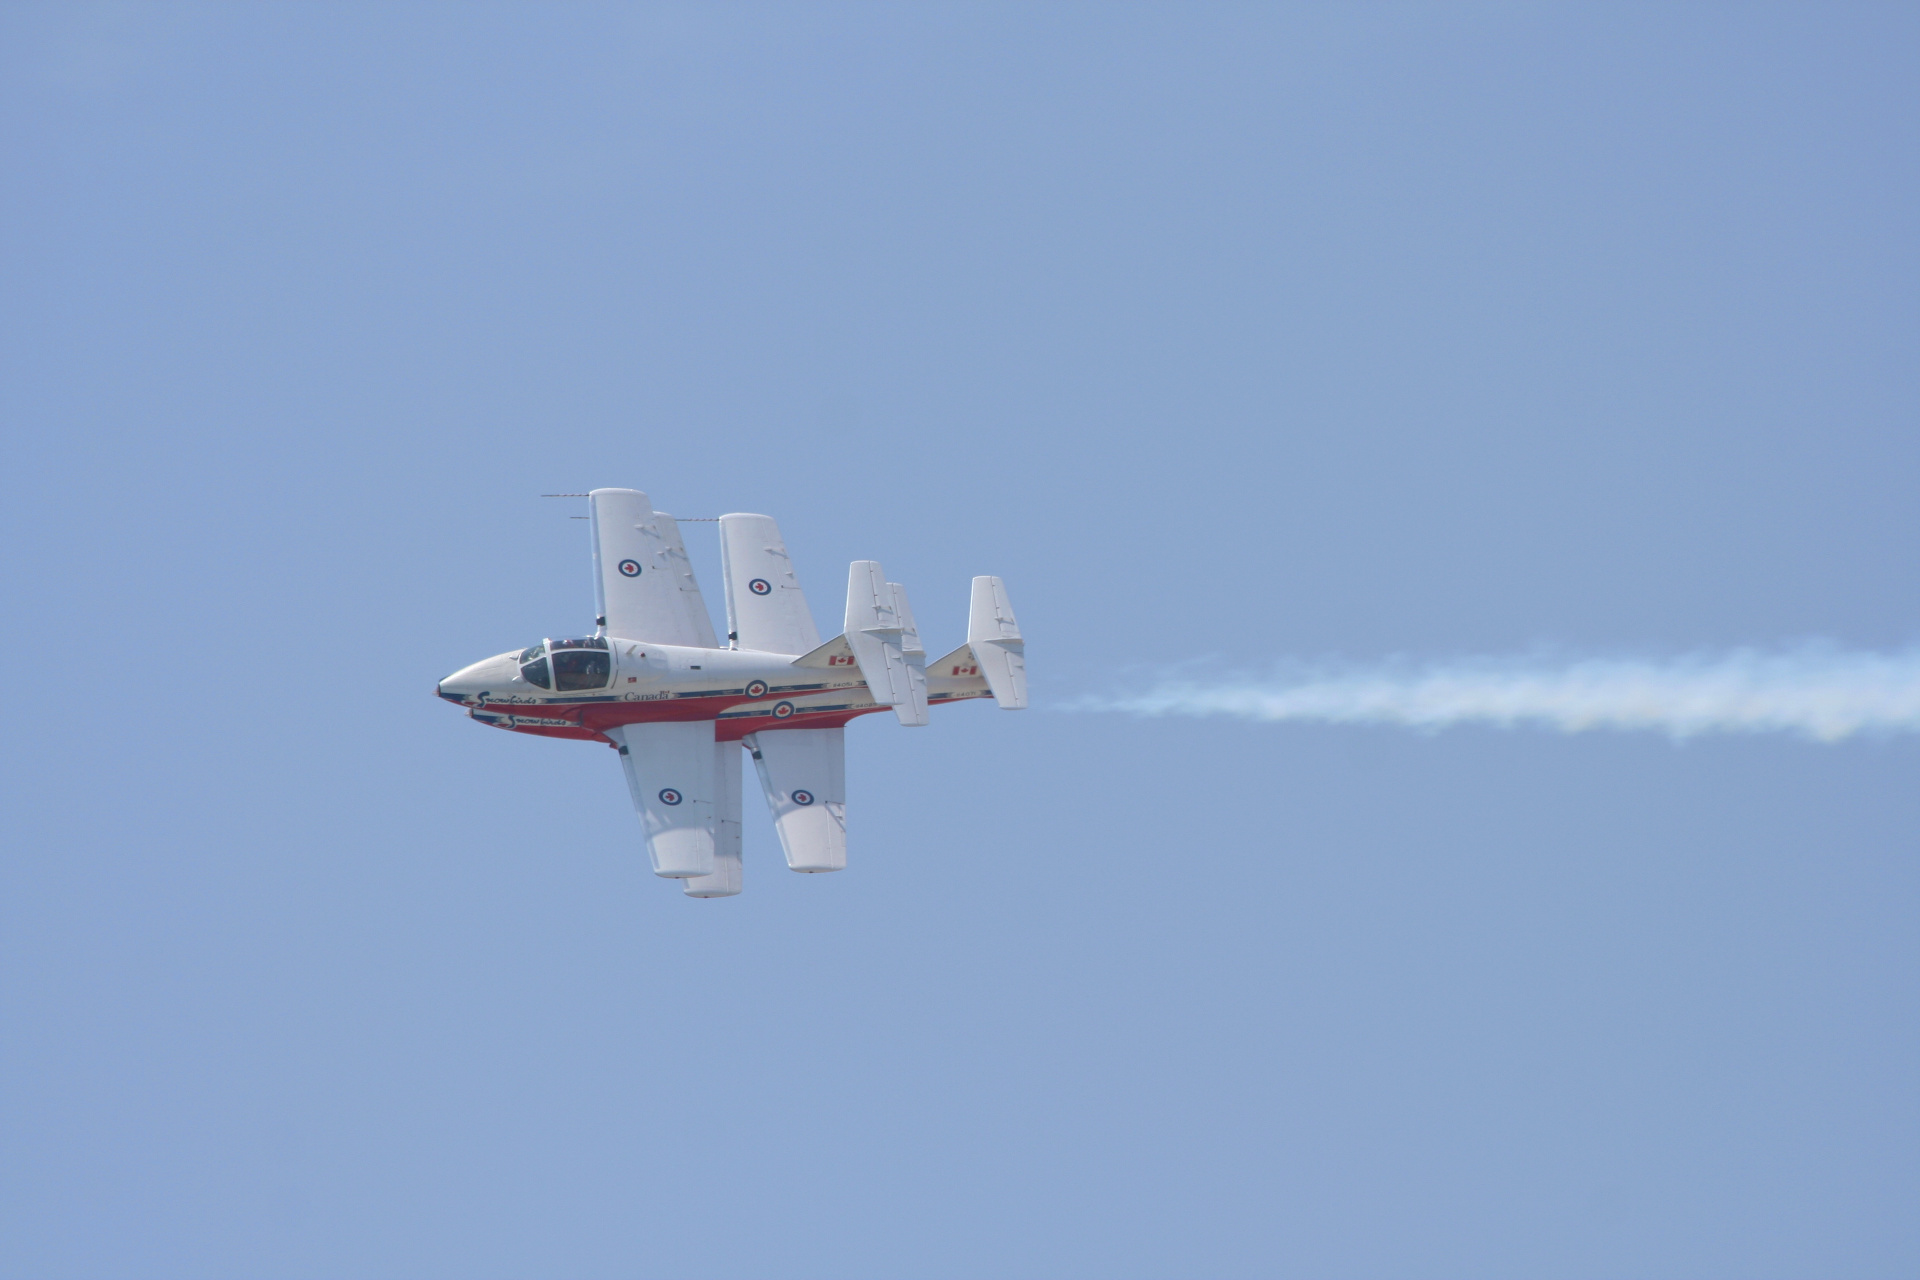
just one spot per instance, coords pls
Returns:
(580, 665)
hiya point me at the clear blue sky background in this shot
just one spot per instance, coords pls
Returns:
(1218, 331)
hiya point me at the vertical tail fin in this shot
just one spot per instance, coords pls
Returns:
(885, 642)
(994, 637)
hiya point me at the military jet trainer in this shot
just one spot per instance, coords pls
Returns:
(654, 682)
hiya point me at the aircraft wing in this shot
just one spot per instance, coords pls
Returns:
(643, 583)
(725, 880)
(804, 774)
(765, 609)
(679, 789)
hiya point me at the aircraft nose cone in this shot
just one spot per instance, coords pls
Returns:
(482, 677)
(459, 685)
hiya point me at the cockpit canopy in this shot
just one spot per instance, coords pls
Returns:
(567, 666)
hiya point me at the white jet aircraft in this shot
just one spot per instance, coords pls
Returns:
(656, 683)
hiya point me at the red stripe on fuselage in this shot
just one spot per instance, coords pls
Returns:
(594, 718)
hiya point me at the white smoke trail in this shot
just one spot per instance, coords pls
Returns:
(1818, 691)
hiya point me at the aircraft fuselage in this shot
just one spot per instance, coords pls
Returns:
(740, 690)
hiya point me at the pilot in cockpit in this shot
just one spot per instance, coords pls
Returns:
(568, 666)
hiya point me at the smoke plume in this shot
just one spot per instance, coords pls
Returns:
(1818, 691)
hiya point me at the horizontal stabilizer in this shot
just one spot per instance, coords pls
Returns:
(886, 645)
(994, 637)
(834, 653)
(958, 665)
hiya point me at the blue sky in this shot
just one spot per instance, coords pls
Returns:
(1224, 333)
